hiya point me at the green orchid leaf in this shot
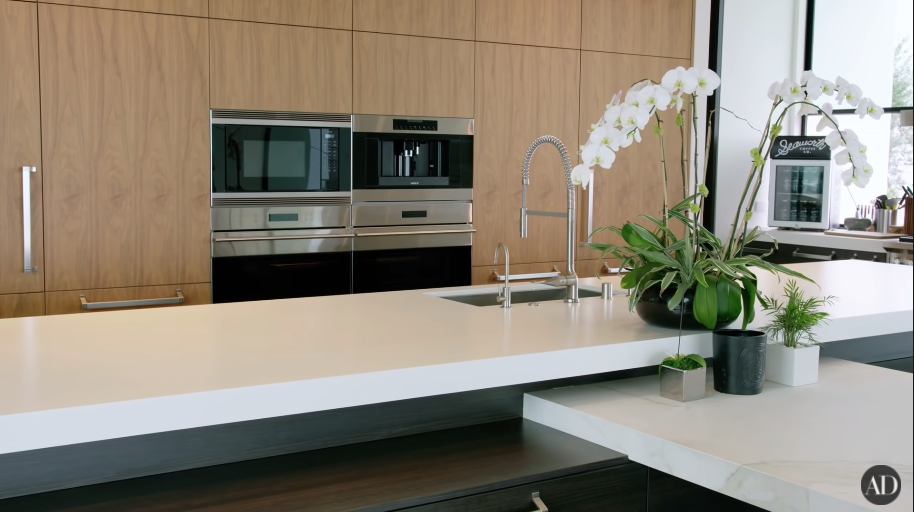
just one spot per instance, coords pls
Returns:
(705, 307)
(698, 359)
(631, 279)
(677, 297)
(748, 292)
(684, 204)
(667, 279)
(729, 300)
(702, 279)
(633, 238)
(792, 273)
(662, 258)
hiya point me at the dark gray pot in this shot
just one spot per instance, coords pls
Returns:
(739, 361)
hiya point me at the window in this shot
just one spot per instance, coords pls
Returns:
(877, 56)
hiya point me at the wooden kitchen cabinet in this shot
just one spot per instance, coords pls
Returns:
(412, 76)
(181, 7)
(125, 142)
(634, 184)
(60, 303)
(450, 19)
(21, 304)
(308, 13)
(552, 23)
(20, 146)
(257, 66)
(662, 28)
(522, 93)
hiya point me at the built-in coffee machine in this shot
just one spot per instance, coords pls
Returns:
(412, 194)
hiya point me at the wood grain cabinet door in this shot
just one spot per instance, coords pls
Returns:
(125, 141)
(307, 13)
(662, 28)
(21, 304)
(552, 23)
(20, 146)
(180, 7)
(412, 76)
(256, 66)
(522, 93)
(450, 19)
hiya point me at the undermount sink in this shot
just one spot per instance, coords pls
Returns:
(518, 296)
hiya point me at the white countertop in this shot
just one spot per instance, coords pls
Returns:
(86, 377)
(820, 239)
(801, 449)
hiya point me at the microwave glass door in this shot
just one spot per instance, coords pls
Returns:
(280, 159)
(799, 193)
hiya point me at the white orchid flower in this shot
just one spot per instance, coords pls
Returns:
(791, 91)
(825, 122)
(808, 109)
(593, 127)
(597, 154)
(854, 178)
(708, 81)
(596, 135)
(631, 97)
(679, 79)
(827, 87)
(606, 136)
(850, 135)
(634, 118)
(654, 97)
(867, 171)
(833, 139)
(811, 84)
(581, 175)
(616, 100)
(842, 157)
(613, 115)
(847, 92)
(676, 101)
(774, 90)
(868, 107)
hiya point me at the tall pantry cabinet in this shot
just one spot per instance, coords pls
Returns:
(21, 237)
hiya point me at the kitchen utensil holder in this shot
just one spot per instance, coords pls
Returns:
(883, 220)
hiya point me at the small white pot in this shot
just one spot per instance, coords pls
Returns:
(792, 366)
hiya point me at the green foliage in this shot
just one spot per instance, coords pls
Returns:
(795, 319)
(684, 362)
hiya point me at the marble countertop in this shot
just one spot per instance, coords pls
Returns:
(820, 239)
(788, 449)
(87, 377)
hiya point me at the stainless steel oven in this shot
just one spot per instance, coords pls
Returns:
(412, 211)
(281, 206)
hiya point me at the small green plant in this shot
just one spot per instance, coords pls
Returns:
(795, 319)
(684, 362)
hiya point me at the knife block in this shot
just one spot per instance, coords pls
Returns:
(908, 210)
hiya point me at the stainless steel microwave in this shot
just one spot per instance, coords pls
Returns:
(285, 152)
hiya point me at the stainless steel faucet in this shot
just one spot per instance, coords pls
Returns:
(504, 295)
(570, 279)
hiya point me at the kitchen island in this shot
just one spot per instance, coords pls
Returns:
(78, 380)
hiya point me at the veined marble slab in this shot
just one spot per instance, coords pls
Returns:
(796, 449)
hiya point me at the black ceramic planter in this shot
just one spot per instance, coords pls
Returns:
(653, 309)
(739, 361)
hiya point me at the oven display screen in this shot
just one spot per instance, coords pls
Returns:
(283, 217)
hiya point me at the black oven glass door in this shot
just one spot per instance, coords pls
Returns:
(254, 158)
(411, 269)
(284, 276)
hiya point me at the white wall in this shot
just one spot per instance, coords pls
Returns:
(760, 45)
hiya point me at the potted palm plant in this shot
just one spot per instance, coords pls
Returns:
(793, 358)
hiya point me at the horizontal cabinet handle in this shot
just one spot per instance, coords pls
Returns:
(538, 503)
(135, 303)
(753, 250)
(797, 254)
(438, 232)
(287, 237)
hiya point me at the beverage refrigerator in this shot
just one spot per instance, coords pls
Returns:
(803, 185)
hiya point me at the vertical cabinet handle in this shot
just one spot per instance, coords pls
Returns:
(538, 503)
(27, 219)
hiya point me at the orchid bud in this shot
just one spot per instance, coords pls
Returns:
(704, 190)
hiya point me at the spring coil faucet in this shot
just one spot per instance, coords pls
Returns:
(570, 279)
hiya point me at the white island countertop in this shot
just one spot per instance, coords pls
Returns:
(88, 377)
(787, 449)
(820, 239)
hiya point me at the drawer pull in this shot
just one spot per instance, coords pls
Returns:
(540, 506)
(430, 232)
(797, 254)
(754, 250)
(284, 237)
(135, 303)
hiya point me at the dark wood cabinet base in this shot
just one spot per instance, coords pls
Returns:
(667, 493)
